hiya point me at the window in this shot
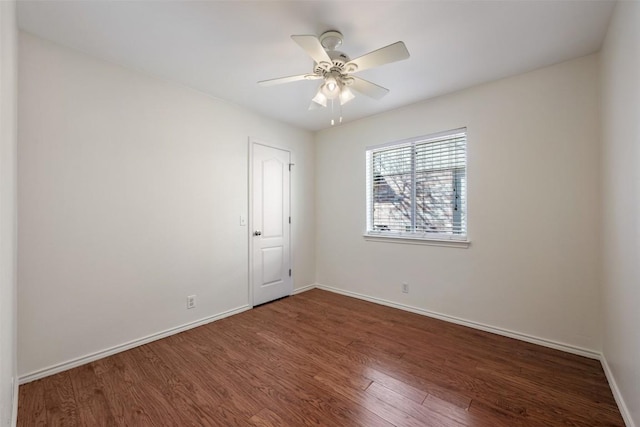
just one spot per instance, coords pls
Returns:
(417, 188)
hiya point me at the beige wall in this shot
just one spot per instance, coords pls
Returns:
(8, 66)
(533, 185)
(130, 194)
(621, 201)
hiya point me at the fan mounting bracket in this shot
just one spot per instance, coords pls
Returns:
(331, 40)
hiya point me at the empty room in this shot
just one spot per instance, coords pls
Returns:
(336, 213)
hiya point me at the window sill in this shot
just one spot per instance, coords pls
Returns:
(417, 241)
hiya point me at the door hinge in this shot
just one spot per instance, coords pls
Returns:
(289, 272)
(291, 164)
(289, 220)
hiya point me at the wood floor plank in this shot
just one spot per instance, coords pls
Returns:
(320, 358)
(296, 381)
(494, 415)
(127, 401)
(462, 416)
(221, 390)
(32, 410)
(268, 418)
(406, 390)
(281, 350)
(379, 407)
(92, 406)
(409, 407)
(178, 393)
(60, 401)
(288, 386)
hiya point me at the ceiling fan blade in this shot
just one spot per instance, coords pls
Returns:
(392, 53)
(314, 49)
(367, 88)
(289, 79)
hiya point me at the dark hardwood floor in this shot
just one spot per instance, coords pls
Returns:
(320, 358)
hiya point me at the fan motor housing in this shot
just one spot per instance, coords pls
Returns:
(338, 61)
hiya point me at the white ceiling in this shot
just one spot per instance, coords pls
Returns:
(224, 47)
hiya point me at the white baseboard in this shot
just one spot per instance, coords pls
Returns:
(303, 289)
(624, 410)
(14, 409)
(475, 325)
(51, 370)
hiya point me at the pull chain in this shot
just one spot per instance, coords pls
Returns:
(332, 121)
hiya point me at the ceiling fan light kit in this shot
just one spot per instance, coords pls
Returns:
(335, 68)
(319, 99)
(346, 95)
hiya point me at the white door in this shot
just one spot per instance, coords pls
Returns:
(270, 269)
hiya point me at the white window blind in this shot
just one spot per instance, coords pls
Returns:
(417, 188)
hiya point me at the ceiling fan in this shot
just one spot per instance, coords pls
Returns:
(336, 68)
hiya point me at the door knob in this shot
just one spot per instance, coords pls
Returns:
(257, 233)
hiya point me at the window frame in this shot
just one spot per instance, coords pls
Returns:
(413, 237)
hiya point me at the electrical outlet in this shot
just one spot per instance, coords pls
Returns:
(191, 301)
(405, 287)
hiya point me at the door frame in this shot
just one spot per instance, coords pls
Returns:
(251, 142)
